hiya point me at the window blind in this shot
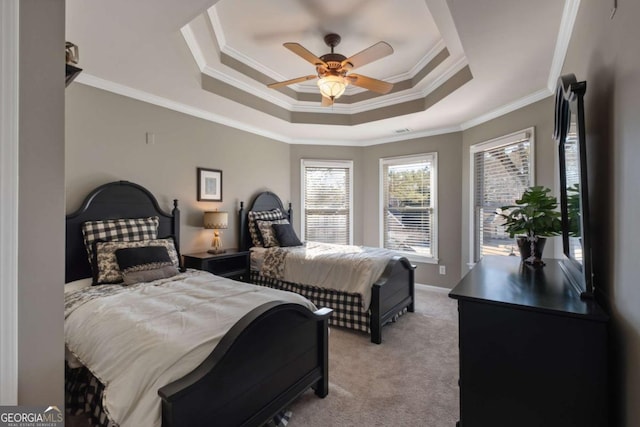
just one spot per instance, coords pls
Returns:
(327, 203)
(501, 174)
(408, 215)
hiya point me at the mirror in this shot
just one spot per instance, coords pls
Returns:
(572, 188)
(570, 133)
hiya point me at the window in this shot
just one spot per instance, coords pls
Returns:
(501, 170)
(409, 220)
(327, 201)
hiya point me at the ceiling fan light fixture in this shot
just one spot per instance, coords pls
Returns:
(332, 86)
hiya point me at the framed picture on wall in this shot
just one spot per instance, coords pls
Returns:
(209, 185)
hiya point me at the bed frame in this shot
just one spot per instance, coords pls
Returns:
(392, 293)
(271, 356)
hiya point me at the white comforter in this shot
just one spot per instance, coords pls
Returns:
(342, 267)
(143, 337)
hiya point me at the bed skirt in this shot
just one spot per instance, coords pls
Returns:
(83, 396)
(347, 307)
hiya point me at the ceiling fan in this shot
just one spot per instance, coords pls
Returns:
(333, 69)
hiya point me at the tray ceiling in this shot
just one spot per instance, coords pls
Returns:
(456, 63)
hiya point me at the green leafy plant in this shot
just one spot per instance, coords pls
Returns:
(534, 215)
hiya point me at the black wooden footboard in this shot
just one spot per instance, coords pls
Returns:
(267, 359)
(391, 294)
(394, 291)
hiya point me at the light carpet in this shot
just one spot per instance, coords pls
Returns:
(411, 379)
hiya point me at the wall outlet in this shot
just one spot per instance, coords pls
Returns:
(443, 269)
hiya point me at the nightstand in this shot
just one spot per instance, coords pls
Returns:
(233, 264)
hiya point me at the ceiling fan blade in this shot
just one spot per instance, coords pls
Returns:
(302, 52)
(326, 102)
(292, 81)
(372, 84)
(370, 54)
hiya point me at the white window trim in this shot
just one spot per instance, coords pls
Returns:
(304, 163)
(9, 124)
(411, 256)
(487, 145)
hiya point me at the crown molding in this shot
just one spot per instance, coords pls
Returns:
(246, 87)
(451, 70)
(507, 108)
(423, 62)
(90, 80)
(569, 14)
(338, 108)
(214, 21)
(194, 47)
(377, 141)
(216, 26)
(412, 135)
(218, 31)
(226, 75)
(109, 86)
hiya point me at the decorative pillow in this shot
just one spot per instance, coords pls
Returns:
(286, 235)
(145, 264)
(118, 230)
(266, 232)
(106, 269)
(253, 216)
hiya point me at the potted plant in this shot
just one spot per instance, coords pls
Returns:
(533, 218)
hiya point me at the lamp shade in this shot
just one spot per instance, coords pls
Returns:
(332, 86)
(216, 220)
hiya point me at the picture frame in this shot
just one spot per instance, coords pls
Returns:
(209, 185)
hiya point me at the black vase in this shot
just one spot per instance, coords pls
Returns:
(524, 246)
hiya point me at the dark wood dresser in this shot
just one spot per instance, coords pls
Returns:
(532, 353)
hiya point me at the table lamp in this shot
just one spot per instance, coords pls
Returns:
(216, 221)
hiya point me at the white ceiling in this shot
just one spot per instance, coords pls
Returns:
(159, 50)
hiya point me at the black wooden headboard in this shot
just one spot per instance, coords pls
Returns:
(264, 201)
(120, 199)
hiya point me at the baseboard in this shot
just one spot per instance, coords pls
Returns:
(434, 288)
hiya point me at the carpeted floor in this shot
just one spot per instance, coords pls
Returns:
(411, 379)
(408, 380)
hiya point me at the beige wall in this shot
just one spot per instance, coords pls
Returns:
(603, 52)
(41, 204)
(366, 190)
(539, 116)
(448, 148)
(106, 141)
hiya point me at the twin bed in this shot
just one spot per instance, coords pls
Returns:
(195, 349)
(374, 286)
(275, 348)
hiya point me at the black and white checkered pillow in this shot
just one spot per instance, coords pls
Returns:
(253, 216)
(120, 230)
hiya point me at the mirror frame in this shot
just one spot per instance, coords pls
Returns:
(570, 101)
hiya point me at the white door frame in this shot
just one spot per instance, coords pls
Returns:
(9, 144)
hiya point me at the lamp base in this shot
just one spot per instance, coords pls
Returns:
(216, 251)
